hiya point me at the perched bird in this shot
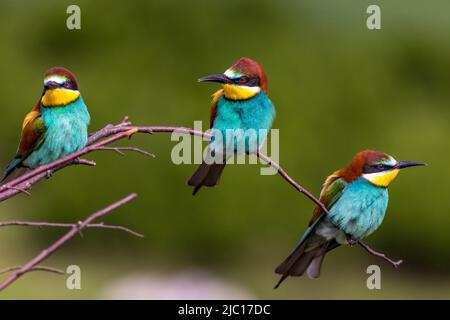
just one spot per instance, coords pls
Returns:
(57, 125)
(241, 106)
(356, 198)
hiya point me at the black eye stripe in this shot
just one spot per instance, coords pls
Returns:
(251, 82)
(70, 85)
(368, 168)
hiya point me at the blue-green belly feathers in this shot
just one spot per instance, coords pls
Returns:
(361, 209)
(255, 114)
(66, 133)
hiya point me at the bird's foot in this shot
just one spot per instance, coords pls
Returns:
(48, 174)
(394, 263)
(351, 242)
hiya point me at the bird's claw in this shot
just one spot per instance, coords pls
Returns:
(351, 242)
(48, 174)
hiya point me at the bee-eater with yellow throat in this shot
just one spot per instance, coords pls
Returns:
(356, 198)
(57, 125)
(242, 105)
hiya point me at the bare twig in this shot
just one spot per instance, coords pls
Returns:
(33, 263)
(120, 150)
(100, 225)
(85, 162)
(47, 170)
(37, 268)
(112, 133)
(291, 181)
(375, 253)
(20, 189)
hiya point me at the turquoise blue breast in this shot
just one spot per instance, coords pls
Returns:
(66, 133)
(249, 119)
(361, 208)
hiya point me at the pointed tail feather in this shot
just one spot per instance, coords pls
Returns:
(285, 267)
(300, 262)
(11, 167)
(207, 175)
(314, 267)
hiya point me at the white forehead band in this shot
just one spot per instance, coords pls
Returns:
(55, 78)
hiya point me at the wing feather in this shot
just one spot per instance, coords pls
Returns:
(213, 113)
(331, 192)
(33, 129)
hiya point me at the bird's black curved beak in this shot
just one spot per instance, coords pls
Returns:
(51, 85)
(406, 164)
(220, 78)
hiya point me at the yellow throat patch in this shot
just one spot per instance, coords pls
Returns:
(234, 92)
(382, 179)
(59, 97)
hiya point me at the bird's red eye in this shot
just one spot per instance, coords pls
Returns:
(66, 84)
(243, 80)
(381, 167)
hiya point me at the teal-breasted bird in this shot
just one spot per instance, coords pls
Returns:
(242, 105)
(356, 198)
(57, 125)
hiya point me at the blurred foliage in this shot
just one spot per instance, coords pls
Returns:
(338, 88)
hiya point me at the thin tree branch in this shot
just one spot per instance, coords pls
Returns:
(291, 181)
(120, 150)
(85, 162)
(37, 268)
(112, 133)
(33, 263)
(375, 253)
(100, 225)
(21, 189)
(48, 169)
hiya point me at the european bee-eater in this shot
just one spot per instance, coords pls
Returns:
(242, 105)
(356, 198)
(57, 125)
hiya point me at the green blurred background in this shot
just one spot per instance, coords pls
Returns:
(338, 88)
